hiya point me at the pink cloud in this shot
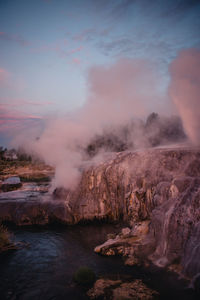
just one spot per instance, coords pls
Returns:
(13, 121)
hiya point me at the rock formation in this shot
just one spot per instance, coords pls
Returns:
(115, 289)
(156, 191)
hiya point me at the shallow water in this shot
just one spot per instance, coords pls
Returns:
(44, 270)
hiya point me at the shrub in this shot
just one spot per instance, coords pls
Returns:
(84, 276)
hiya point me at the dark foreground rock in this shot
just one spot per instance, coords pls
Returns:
(157, 192)
(107, 289)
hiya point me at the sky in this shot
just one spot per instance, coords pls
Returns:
(49, 50)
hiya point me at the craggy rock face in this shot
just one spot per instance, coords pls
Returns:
(161, 186)
(133, 184)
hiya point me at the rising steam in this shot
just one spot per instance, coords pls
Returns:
(185, 91)
(114, 118)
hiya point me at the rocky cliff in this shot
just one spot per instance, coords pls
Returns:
(156, 191)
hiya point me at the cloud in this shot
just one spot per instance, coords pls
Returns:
(14, 38)
(185, 90)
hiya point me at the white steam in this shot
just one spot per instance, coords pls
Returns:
(125, 90)
(185, 91)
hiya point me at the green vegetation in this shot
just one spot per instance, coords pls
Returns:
(84, 276)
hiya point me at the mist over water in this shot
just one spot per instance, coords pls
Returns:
(118, 115)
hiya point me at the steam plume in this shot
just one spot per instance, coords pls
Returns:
(118, 93)
(185, 91)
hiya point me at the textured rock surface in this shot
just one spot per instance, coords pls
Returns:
(133, 246)
(100, 287)
(114, 289)
(32, 205)
(160, 187)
